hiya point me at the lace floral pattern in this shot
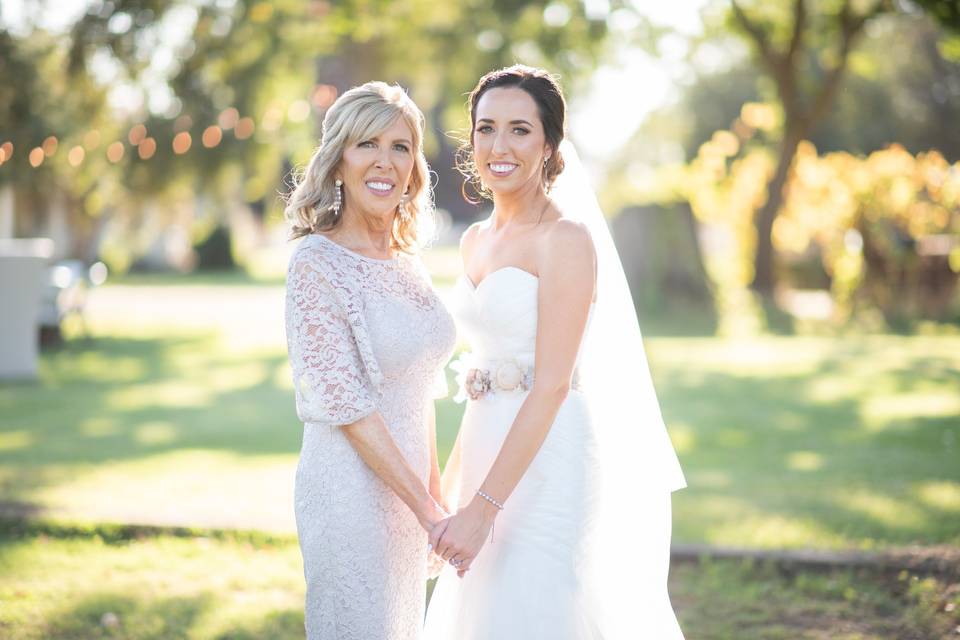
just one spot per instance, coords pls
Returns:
(363, 335)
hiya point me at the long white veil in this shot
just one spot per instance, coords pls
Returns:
(637, 468)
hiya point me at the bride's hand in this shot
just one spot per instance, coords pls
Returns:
(435, 563)
(460, 537)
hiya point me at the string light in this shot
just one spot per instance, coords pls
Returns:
(147, 148)
(75, 156)
(212, 136)
(137, 133)
(298, 111)
(50, 146)
(91, 140)
(182, 142)
(115, 152)
(182, 123)
(272, 118)
(244, 128)
(322, 96)
(228, 118)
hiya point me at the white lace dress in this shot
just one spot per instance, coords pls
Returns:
(363, 335)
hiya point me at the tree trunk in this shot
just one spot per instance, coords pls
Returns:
(764, 276)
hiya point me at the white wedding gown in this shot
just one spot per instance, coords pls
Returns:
(530, 581)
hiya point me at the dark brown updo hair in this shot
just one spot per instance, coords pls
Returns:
(545, 90)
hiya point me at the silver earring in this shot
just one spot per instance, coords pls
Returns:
(402, 207)
(337, 197)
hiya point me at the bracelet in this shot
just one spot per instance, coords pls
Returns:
(490, 500)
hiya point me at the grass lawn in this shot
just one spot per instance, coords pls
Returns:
(178, 410)
(107, 583)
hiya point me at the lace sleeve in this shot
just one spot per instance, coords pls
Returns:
(331, 378)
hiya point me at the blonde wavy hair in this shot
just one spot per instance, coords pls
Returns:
(359, 114)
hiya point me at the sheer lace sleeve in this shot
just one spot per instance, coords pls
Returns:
(335, 377)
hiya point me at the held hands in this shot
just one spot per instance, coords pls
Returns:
(435, 564)
(439, 512)
(459, 538)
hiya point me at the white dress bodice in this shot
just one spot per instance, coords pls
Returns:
(498, 317)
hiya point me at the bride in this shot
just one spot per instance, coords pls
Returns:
(562, 470)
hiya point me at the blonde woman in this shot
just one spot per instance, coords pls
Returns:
(367, 339)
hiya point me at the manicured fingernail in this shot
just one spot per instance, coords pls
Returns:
(429, 546)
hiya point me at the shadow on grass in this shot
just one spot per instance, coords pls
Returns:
(771, 463)
(113, 615)
(759, 451)
(119, 615)
(125, 398)
(278, 624)
(122, 399)
(720, 600)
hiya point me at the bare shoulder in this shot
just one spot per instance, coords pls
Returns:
(569, 239)
(469, 237)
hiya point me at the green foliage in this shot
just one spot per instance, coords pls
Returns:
(195, 66)
(884, 230)
(886, 227)
(946, 12)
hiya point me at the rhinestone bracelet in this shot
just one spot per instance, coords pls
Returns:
(490, 500)
(495, 503)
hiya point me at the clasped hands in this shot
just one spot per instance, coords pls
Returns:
(458, 538)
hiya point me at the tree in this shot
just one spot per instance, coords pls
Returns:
(805, 51)
(259, 58)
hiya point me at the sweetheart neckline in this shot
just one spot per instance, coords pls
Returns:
(476, 287)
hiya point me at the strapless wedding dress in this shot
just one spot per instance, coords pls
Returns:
(529, 582)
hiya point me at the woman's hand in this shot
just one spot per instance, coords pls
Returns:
(436, 493)
(431, 515)
(435, 565)
(460, 537)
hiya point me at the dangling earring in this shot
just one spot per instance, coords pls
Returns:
(337, 197)
(402, 207)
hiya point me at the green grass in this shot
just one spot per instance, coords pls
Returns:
(178, 410)
(737, 600)
(103, 582)
(149, 587)
(820, 442)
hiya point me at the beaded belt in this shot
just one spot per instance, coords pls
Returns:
(505, 375)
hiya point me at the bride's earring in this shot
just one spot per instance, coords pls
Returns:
(337, 197)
